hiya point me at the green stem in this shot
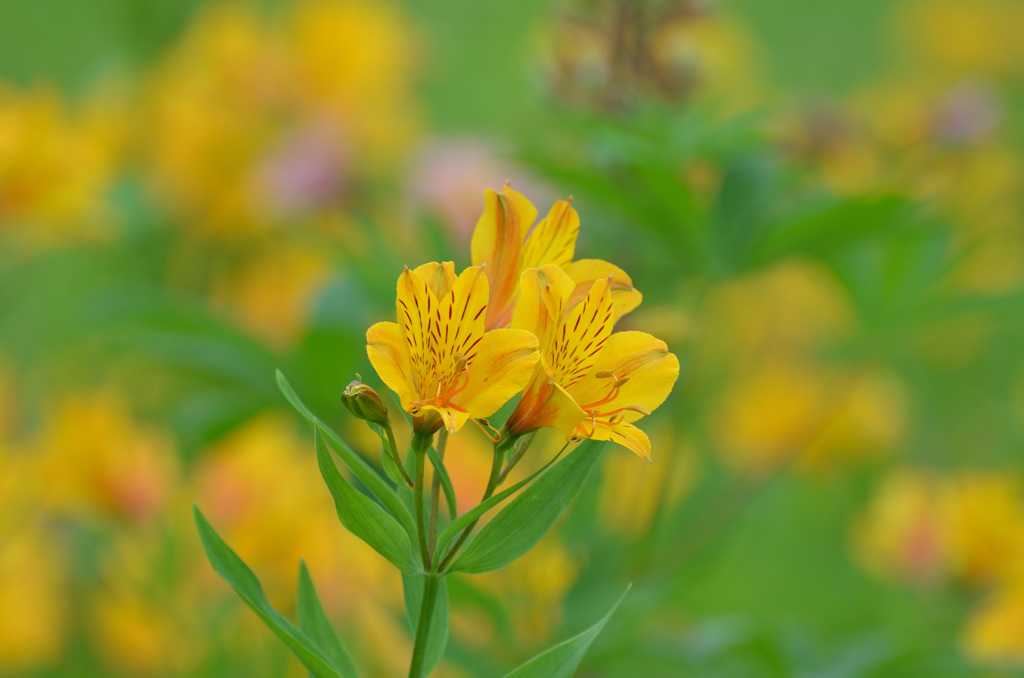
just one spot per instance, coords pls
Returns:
(419, 651)
(435, 495)
(516, 457)
(394, 454)
(419, 445)
(492, 485)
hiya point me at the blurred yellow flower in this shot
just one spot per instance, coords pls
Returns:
(57, 164)
(983, 516)
(440, 359)
(271, 293)
(634, 496)
(532, 588)
(253, 119)
(769, 415)
(964, 38)
(256, 484)
(994, 632)
(99, 461)
(34, 602)
(902, 533)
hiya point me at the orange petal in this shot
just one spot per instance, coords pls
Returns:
(497, 242)
(545, 404)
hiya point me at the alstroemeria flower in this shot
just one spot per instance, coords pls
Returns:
(439, 358)
(504, 240)
(589, 383)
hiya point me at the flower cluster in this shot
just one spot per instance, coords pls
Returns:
(525, 317)
(966, 528)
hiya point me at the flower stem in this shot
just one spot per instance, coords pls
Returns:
(419, 448)
(419, 651)
(492, 484)
(394, 454)
(516, 457)
(435, 493)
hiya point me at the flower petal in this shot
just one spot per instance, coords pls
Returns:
(497, 242)
(645, 360)
(438, 277)
(415, 304)
(553, 239)
(577, 343)
(502, 365)
(389, 355)
(460, 319)
(624, 434)
(543, 295)
(584, 272)
(545, 404)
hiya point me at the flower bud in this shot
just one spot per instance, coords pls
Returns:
(364, 403)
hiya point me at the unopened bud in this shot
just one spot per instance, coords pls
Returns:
(364, 403)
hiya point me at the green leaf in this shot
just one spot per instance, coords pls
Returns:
(480, 509)
(361, 515)
(314, 623)
(446, 483)
(359, 467)
(412, 586)
(235, 572)
(529, 516)
(561, 660)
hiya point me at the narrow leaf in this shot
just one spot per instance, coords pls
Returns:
(361, 515)
(367, 474)
(412, 586)
(561, 660)
(483, 507)
(235, 572)
(446, 482)
(315, 624)
(529, 516)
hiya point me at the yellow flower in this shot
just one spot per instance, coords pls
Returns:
(589, 382)
(34, 601)
(255, 120)
(901, 535)
(984, 521)
(57, 163)
(994, 633)
(439, 358)
(504, 240)
(100, 462)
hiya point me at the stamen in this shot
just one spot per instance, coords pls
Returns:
(496, 438)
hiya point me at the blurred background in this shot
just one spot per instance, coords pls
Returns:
(821, 202)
